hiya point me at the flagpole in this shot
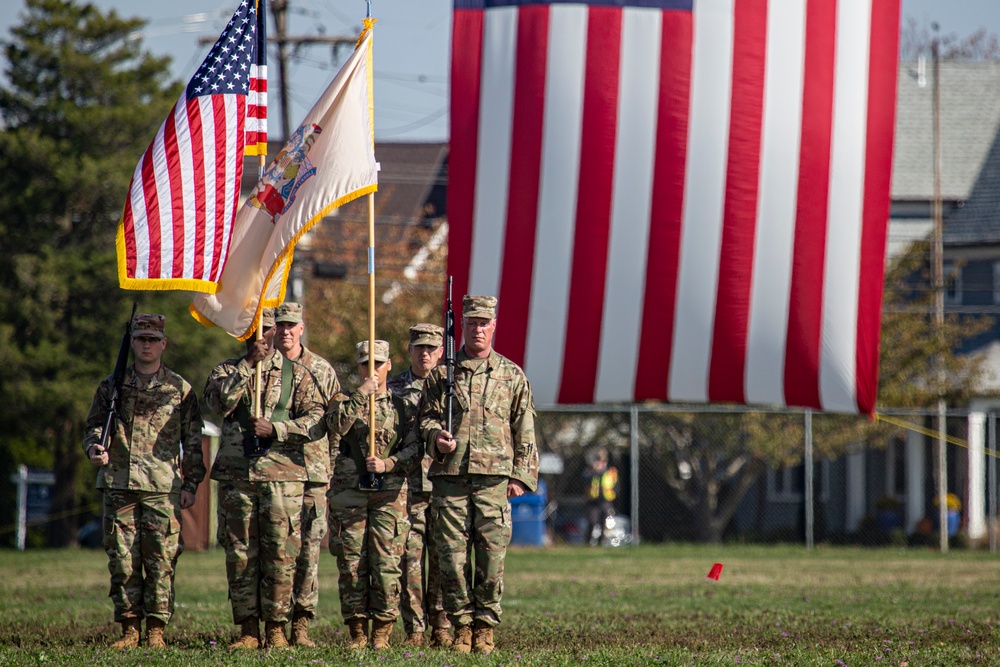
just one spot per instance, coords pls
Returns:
(261, 164)
(371, 289)
(371, 319)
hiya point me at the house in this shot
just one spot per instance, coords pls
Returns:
(847, 488)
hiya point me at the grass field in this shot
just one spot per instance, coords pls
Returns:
(572, 606)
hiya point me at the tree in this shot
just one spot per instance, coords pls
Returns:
(82, 103)
(916, 38)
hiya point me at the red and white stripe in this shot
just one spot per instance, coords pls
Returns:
(185, 193)
(257, 111)
(678, 205)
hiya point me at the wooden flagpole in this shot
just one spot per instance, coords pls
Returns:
(371, 320)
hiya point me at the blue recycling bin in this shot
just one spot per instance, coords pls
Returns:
(528, 517)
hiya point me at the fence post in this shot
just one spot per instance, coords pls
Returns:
(810, 508)
(633, 437)
(991, 483)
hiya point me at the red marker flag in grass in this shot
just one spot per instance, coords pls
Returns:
(715, 572)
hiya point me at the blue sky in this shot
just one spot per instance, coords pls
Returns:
(412, 45)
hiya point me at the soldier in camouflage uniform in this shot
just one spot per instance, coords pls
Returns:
(418, 603)
(260, 493)
(150, 471)
(368, 528)
(489, 457)
(288, 330)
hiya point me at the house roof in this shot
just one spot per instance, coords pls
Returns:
(977, 222)
(970, 116)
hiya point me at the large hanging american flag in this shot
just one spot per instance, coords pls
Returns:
(177, 223)
(676, 200)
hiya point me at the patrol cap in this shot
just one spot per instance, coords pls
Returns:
(148, 325)
(426, 334)
(381, 351)
(288, 312)
(267, 318)
(479, 306)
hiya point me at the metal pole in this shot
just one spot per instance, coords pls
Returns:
(22, 506)
(633, 437)
(810, 508)
(942, 477)
(991, 480)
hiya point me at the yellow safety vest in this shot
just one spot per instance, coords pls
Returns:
(603, 485)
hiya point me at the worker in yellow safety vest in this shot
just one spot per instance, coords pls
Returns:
(601, 493)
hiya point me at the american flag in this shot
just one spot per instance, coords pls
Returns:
(178, 218)
(676, 200)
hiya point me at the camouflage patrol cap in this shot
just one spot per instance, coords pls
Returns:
(479, 306)
(267, 318)
(288, 312)
(426, 334)
(148, 325)
(381, 351)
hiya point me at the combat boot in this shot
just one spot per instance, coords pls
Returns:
(154, 633)
(380, 634)
(463, 639)
(249, 634)
(441, 638)
(482, 638)
(414, 639)
(358, 627)
(300, 631)
(274, 635)
(131, 627)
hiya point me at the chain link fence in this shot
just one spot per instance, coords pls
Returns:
(697, 474)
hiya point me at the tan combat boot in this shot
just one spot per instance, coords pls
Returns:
(358, 627)
(249, 634)
(463, 639)
(482, 638)
(274, 635)
(380, 634)
(441, 638)
(414, 639)
(154, 633)
(300, 631)
(131, 628)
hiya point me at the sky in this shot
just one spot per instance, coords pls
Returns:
(412, 49)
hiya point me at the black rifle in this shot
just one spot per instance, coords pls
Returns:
(114, 400)
(449, 358)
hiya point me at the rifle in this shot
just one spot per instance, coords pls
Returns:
(114, 400)
(449, 358)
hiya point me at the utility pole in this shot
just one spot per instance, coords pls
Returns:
(279, 12)
(942, 414)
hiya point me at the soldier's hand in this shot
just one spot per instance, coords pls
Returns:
(369, 386)
(261, 427)
(258, 350)
(445, 443)
(374, 464)
(187, 499)
(98, 455)
(515, 488)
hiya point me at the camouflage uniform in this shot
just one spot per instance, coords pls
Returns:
(416, 608)
(368, 529)
(314, 501)
(260, 499)
(154, 453)
(493, 426)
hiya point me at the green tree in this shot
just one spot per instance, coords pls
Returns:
(82, 102)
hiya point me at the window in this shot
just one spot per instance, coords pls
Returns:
(953, 284)
(787, 485)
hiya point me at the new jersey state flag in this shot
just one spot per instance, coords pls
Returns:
(677, 200)
(328, 161)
